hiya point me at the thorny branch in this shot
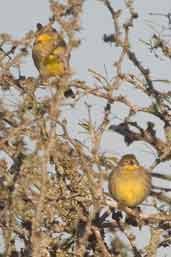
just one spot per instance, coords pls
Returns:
(53, 196)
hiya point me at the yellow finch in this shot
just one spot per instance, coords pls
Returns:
(50, 52)
(129, 183)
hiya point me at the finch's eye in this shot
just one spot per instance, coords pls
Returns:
(39, 41)
(131, 162)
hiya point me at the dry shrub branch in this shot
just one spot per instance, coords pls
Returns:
(53, 197)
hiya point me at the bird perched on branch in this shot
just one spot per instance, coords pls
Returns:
(129, 183)
(50, 53)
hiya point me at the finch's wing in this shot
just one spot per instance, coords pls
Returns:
(36, 59)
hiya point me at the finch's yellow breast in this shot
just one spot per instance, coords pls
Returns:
(52, 66)
(129, 184)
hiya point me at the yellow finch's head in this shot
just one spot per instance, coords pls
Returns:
(45, 37)
(129, 162)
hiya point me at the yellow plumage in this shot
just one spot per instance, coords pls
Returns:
(50, 53)
(129, 183)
